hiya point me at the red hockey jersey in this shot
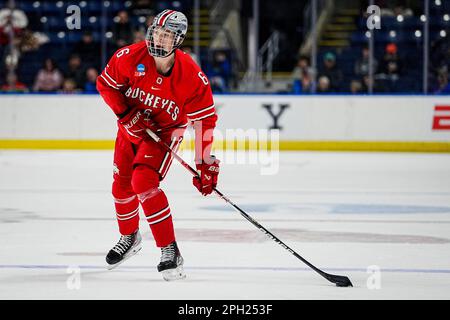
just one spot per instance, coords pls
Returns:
(130, 80)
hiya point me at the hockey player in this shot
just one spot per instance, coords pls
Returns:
(152, 84)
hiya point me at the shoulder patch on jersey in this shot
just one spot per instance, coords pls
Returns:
(140, 70)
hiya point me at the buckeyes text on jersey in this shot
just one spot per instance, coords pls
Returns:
(170, 101)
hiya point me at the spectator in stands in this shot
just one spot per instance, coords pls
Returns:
(75, 70)
(13, 84)
(362, 64)
(91, 78)
(217, 84)
(440, 53)
(301, 67)
(332, 71)
(356, 87)
(323, 85)
(391, 60)
(221, 70)
(14, 21)
(302, 76)
(12, 18)
(443, 86)
(49, 78)
(439, 60)
(222, 65)
(69, 87)
(138, 36)
(122, 30)
(304, 85)
(88, 50)
(376, 85)
(307, 83)
(391, 67)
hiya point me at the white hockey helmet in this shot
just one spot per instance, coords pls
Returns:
(166, 33)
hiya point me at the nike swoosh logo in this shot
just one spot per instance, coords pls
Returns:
(146, 156)
(154, 88)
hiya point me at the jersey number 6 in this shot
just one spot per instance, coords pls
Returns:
(203, 77)
(122, 52)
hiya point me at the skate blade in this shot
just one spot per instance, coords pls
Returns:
(174, 274)
(126, 257)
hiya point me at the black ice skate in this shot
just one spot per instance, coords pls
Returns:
(127, 247)
(171, 265)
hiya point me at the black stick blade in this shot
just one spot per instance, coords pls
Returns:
(340, 281)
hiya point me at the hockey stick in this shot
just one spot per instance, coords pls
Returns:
(340, 281)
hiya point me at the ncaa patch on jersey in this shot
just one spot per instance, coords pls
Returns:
(140, 70)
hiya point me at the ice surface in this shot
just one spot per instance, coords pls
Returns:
(344, 212)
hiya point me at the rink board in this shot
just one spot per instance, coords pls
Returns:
(347, 123)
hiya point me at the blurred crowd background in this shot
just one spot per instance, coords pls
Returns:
(282, 46)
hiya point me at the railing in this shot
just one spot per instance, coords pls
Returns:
(254, 80)
(307, 14)
(219, 14)
(271, 49)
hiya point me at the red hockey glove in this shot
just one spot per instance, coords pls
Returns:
(134, 123)
(208, 174)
